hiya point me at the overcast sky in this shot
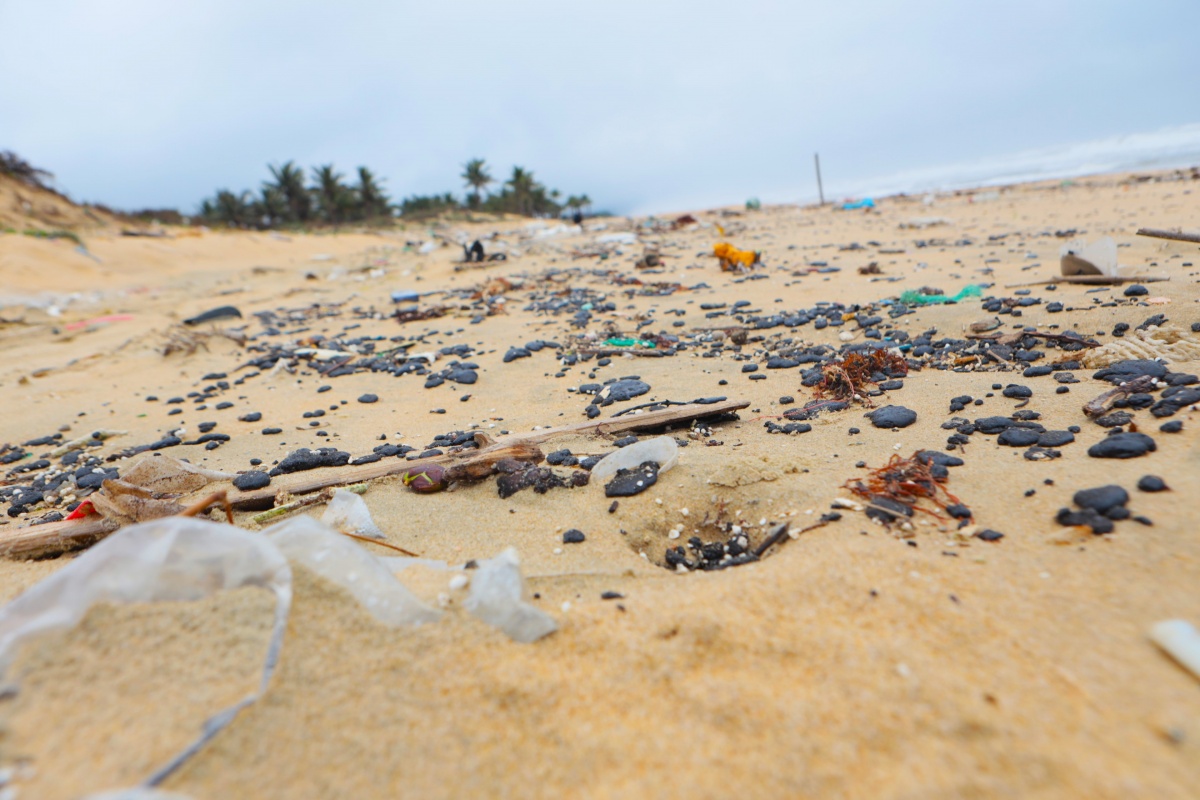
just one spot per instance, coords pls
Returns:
(644, 105)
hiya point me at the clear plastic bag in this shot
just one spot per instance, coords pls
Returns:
(172, 559)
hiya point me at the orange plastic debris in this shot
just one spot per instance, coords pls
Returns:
(733, 259)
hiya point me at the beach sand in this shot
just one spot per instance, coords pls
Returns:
(852, 661)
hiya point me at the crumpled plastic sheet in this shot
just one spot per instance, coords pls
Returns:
(496, 598)
(173, 559)
(306, 542)
(348, 512)
(181, 558)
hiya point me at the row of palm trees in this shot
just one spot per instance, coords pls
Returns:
(520, 194)
(288, 199)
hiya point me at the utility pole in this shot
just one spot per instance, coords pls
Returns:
(820, 190)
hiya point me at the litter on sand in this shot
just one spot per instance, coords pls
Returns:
(185, 559)
(734, 260)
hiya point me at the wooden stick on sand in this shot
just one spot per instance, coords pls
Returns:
(1094, 280)
(1178, 236)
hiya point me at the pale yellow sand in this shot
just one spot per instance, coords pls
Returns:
(849, 664)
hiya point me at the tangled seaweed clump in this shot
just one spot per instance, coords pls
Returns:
(848, 379)
(897, 488)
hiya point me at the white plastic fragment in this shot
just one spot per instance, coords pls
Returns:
(496, 598)
(660, 449)
(1180, 641)
(335, 558)
(1101, 254)
(348, 512)
(617, 238)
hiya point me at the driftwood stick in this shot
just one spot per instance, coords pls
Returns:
(54, 538)
(650, 420)
(468, 464)
(1102, 403)
(1093, 280)
(1013, 338)
(323, 496)
(1178, 236)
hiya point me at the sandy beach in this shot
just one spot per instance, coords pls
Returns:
(858, 659)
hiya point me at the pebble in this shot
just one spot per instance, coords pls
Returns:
(1101, 498)
(305, 459)
(368, 398)
(1136, 290)
(255, 479)
(573, 536)
(514, 353)
(1018, 437)
(627, 483)
(1152, 483)
(1055, 438)
(1017, 391)
(624, 389)
(1174, 426)
(1123, 445)
(1088, 517)
(212, 315)
(892, 417)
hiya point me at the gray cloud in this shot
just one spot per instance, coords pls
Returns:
(644, 105)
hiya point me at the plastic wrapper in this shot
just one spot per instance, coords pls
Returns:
(496, 598)
(348, 512)
(308, 543)
(661, 449)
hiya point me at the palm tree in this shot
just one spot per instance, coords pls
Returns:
(372, 202)
(289, 180)
(476, 176)
(334, 198)
(522, 185)
(272, 206)
(233, 209)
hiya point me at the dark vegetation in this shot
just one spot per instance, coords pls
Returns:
(289, 199)
(16, 167)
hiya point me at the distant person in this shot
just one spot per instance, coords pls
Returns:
(577, 217)
(474, 255)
